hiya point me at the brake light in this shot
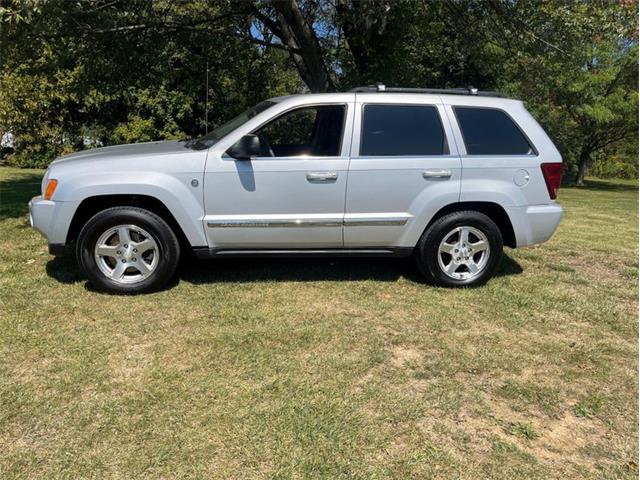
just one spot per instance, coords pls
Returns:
(51, 187)
(552, 173)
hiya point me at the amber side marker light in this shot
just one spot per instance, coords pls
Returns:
(51, 187)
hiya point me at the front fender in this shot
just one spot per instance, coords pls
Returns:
(174, 190)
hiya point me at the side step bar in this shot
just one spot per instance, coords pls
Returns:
(208, 253)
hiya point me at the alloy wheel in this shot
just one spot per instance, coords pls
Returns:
(126, 254)
(463, 253)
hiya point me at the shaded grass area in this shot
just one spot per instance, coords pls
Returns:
(326, 368)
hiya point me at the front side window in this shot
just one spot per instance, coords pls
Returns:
(402, 130)
(488, 131)
(310, 131)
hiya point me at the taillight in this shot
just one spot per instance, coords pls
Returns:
(552, 173)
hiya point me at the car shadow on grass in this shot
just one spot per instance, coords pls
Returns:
(312, 270)
(15, 194)
(201, 272)
(64, 269)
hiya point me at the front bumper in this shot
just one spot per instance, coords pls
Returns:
(535, 224)
(52, 220)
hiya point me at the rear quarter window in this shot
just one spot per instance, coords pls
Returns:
(489, 131)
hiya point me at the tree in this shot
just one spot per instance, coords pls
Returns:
(120, 71)
(296, 33)
(125, 70)
(576, 66)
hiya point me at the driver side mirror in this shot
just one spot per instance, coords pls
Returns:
(246, 148)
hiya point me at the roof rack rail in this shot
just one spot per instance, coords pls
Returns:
(379, 87)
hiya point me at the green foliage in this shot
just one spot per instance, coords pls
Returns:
(615, 165)
(577, 71)
(97, 72)
(154, 115)
(18, 11)
(71, 77)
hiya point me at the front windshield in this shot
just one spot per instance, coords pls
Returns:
(214, 135)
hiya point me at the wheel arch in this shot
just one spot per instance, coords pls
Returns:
(492, 210)
(94, 204)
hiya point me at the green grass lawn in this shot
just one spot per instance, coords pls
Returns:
(326, 368)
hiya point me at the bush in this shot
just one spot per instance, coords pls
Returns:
(615, 166)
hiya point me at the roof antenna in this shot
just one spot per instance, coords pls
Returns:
(206, 100)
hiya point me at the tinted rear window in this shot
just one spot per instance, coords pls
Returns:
(491, 132)
(402, 130)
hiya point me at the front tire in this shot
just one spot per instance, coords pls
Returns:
(127, 250)
(461, 249)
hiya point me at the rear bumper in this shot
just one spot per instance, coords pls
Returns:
(52, 220)
(534, 224)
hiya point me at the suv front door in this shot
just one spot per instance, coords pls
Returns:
(292, 195)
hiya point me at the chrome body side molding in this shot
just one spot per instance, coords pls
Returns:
(376, 219)
(274, 223)
(337, 220)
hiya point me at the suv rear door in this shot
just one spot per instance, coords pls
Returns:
(404, 167)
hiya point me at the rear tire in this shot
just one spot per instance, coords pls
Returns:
(461, 249)
(127, 250)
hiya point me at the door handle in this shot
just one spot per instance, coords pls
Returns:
(322, 176)
(436, 174)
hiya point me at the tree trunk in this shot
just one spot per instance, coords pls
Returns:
(364, 23)
(304, 46)
(583, 165)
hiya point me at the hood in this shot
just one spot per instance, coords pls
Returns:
(133, 149)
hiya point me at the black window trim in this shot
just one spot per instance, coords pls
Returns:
(402, 104)
(300, 107)
(524, 135)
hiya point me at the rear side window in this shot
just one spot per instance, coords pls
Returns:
(488, 131)
(402, 130)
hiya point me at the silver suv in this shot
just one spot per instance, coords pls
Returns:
(449, 176)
